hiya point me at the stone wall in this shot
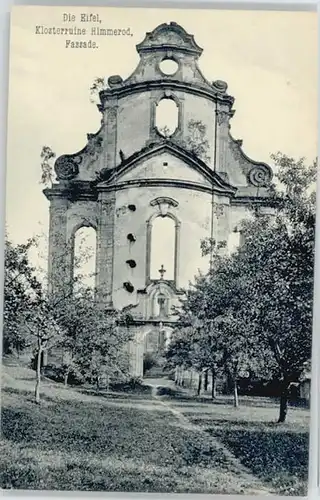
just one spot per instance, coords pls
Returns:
(114, 182)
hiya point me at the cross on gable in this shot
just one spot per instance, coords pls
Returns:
(162, 271)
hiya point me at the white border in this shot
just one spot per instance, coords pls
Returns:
(5, 7)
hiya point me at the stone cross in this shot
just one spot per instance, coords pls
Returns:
(162, 271)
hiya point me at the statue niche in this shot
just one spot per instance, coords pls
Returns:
(162, 310)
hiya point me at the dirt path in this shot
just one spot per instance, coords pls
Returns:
(185, 423)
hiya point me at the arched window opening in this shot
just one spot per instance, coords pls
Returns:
(84, 257)
(162, 261)
(167, 117)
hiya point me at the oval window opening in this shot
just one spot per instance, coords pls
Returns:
(131, 263)
(168, 66)
(128, 286)
(131, 237)
(167, 116)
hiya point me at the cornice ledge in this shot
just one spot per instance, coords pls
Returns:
(208, 91)
(56, 191)
(77, 190)
(118, 186)
(255, 200)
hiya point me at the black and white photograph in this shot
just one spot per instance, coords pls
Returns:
(159, 250)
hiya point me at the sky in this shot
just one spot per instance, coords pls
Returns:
(268, 59)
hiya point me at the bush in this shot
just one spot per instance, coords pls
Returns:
(57, 373)
(54, 372)
(134, 384)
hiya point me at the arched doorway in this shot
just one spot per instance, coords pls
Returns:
(155, 343)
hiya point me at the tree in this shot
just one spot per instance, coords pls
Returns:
(47, 156)
(284, 278)
(21, 289)
(178, 352)
(44, 332)
(196, 140)
(222, 340)
(98, 84)
(102, 353)
(260, 297)
(73, 315)
(92, 337)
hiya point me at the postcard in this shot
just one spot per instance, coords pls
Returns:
(159, 250)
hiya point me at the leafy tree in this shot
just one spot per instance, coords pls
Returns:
(178, 352)
(73, 316)
(281, 262)
(102, 354)
(196, 141)
(43, 331)
(21, 289)
(259, 299)
(92, 338)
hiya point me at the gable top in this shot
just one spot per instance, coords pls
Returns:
(167, 42)
(169, 37)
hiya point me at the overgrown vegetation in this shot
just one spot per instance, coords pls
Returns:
(252, 313)
(126, 442)
(91, 340)
(47, 172)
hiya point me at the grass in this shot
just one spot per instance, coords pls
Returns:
(78, 440)
(275, 453)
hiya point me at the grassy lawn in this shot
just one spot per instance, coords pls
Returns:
(77, 440)
(275, 453)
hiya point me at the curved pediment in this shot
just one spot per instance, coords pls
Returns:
(169, 37)
(71, 166)
(167, 42)
(256, 174)
(164, 163)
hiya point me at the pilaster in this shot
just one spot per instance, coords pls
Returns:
(105, 247)
(59, 261)
(177, 254)
(223, 115)
(148, 250)
(220, 221)
(110, 147)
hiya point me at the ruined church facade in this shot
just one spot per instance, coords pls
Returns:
(132, 174)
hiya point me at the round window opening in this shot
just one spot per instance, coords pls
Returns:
(168, 66)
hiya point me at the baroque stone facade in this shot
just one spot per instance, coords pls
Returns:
(130, 173)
